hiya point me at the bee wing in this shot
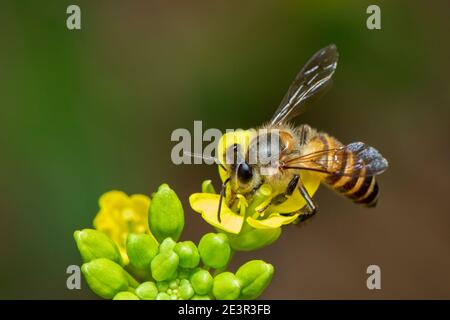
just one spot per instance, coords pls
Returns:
(365, 161)
(312, 81)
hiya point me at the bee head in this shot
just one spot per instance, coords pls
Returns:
(243, 175)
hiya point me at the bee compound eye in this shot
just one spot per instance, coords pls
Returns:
(244, 172)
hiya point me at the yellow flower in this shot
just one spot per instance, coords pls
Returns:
(120, 215)
(259, 213)
(207, 204)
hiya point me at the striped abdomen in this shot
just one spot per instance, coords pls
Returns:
(359, 187)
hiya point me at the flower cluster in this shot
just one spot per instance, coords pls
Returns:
(134, 252)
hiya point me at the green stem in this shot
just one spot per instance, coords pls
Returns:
(131, 281)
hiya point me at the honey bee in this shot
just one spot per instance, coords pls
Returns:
(348, 169)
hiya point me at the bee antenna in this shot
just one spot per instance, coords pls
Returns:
(200, 156)
(222, 194)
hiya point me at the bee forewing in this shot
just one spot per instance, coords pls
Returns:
(365, 161)
(311, 82)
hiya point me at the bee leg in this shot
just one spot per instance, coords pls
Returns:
(304, 218)
(282, 197)
(311, 208)
(292, 184)
(222, 195)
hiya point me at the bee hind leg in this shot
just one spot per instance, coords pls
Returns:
(310, 209)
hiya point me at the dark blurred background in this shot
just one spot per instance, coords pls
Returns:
(84, 112)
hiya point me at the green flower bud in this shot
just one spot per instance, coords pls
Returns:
(166, 215)
(184, 281)
(202, 282)
(167, 245)
(105, 277)
(164, 265)
(173, 284)
(162, 286)
(226, 286)
(186, 291)
(141, 249)
(254, 277)
(183, 273)
(214, 250)
(125, 295)
(188, 254)
(207, 187)
(251, 239)
(174, 275)
(147, 291)
(197, 297)
(163, 296)
(94, 244)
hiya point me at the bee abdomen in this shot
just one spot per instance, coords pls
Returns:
(362, 190)
(350, 182)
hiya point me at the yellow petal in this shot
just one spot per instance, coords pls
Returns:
(120, 215)
(207, 204)
(295, 202)
(140, 202)
(113, 198)
(275, 220)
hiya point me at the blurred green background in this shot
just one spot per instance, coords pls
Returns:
(84, 112)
